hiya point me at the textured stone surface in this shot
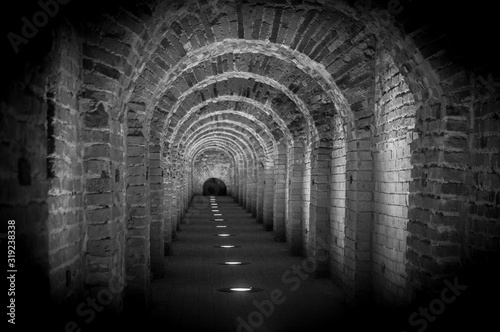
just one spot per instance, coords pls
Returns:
(365, 146)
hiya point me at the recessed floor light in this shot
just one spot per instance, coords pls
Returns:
(215, 210)
(218, 214)
(224, 235)
(221, 226)
(241, 290)
(227, 247)
(233, 263)
(218, 219)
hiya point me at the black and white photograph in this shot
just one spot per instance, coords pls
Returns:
(250, 165)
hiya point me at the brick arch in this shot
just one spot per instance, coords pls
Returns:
(243, 172)
(253, 140)
(263, 137)
(301, 107)
(345, 15)
(231, 114)
(238, 149)
(228, 152)
(103, 85)
(243, 168)
(219, 169)
(302, 65)
(253, 109)
(228, 133)
(226, 146)
(246, 151)
(239, 161)
(315, 48)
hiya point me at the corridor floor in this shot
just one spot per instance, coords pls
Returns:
(187, 298)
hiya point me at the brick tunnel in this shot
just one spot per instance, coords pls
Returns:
(359, 135)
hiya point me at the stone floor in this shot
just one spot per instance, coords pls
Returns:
(187, 298)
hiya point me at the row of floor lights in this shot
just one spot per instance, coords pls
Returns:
(219, 218)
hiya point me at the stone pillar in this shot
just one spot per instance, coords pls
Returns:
(319, 222)
(137, 255)
(156, 208)
(295, 180)
(249, 187)
(241, 176)
(167, 205)
(255, 185)
(279, 206)
(306, 200)
(244, 187)
(358, 264)
(338, 207)
(260, 193)
(268, 197)
(236, 183)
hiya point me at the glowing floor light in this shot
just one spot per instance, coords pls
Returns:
(218, 214)
(221, 226)
(240, 289)
(227, 246)
(232, 263)
(215, 210)
(224, 234)
(219, 219)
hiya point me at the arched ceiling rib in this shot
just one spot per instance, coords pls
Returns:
(278, 54)
(217, 121)
(228, 152)
(255, 109)
(228, 133)
(233, 137)
(304, 121)
(248, 136)
(222, 142)
(228, 114)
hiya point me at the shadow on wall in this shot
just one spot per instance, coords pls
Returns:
(214, 187)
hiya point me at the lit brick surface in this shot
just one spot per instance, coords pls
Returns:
(359, 142)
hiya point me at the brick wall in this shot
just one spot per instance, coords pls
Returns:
(338, 203)
(395, 121)
(338, 128)
(212, 164)
(483, 217)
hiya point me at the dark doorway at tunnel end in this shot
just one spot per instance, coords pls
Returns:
(214, 187)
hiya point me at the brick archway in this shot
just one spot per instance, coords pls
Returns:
(358, 140)
(214, 187)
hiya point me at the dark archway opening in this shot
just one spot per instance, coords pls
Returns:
(214, 187)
